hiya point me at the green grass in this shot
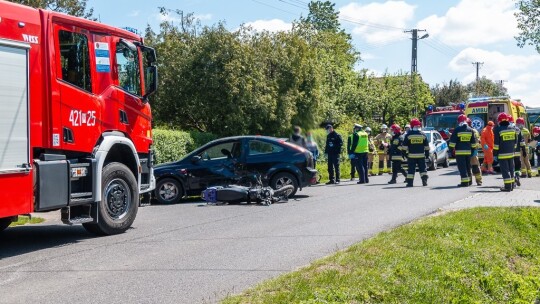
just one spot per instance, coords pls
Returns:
(23, 220)
(482, 255)
(345, 169)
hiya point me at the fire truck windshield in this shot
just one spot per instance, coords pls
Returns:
(440, 121)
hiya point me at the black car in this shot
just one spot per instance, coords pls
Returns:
(230, 160)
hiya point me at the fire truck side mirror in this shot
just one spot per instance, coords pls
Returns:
(151, 78)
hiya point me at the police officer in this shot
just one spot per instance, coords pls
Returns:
(505, 139)
(382, 142)
(519, 148)
(475, 162)
(416, 145)
(396, 154)
(334, 143)
(350, 149)
(525, 157)
(463, 142)
(360, 146)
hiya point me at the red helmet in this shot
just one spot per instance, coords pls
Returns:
(462, 118)
(510, 118)
(415, 123)
(469, 121)
(536, 130)
(395, 128)
(503, 117)
(520, 121)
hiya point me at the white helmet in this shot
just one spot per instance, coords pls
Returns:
(368, 130)
(384, 127)
(408, 126)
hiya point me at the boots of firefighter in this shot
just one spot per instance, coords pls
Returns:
(424, 180)
(477, 175)
(381, 167)
(518, 181)
(409, 182)
(463, 184)
(506, 188)
(392, 181)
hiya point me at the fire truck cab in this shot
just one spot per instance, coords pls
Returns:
(75, 122)
(443, 119)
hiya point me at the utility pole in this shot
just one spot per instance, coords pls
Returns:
(415, 39)
(477, 64)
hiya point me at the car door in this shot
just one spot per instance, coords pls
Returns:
(263, 155)
(214, 167)
(440, 146)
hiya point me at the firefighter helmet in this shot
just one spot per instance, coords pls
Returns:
(384, 127)
(462, 118)
(415, 123)
(536, 130)
(510, 118)
(395, 128)
(368, 130)
(520, 121)
(502, 117)
(469, 121)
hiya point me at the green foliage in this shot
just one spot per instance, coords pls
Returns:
(482, 255)
(23, 220)
(447, 93)
(200, 139)
(528, 18)
(170, 145)
(71, 7)
(323, 16)
(486, 87)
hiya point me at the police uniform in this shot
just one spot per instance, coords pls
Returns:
(463, 141)
(396, 156)
(416, 145)
(505, 139)
(361, 148)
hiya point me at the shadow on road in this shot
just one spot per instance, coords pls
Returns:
(444, 187)
(20, 240)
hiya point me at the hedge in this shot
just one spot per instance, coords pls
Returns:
(172, 145)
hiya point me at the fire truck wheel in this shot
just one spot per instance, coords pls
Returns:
(119, 201)
(4, 223)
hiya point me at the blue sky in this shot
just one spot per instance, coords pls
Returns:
(460, 32)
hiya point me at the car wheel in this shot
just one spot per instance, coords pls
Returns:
(283, 179)
(168, 191)
(446, 162)
(119, 201)
(5, 222)
(433, 164)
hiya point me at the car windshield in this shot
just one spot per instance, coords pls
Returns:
(442, 120)
(428, 135)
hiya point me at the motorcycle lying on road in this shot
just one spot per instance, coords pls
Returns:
(254, 193)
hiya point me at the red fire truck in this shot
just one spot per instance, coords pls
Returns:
(75, 123)
(443, 119)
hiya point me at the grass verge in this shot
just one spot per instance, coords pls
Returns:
(481, 255)
(23, 220)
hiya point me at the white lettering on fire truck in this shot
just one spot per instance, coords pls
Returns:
(30, 39)
(79, 118)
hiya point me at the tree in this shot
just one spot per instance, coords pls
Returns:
(528, 18)
(72, 7)
(486, 87)
(447, 93)
(323, 16)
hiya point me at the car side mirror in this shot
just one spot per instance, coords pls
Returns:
(226, 153)
(151, 82)
(196, 159)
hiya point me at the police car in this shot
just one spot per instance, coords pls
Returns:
(438, 149)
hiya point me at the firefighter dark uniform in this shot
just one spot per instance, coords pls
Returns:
(416, 146)
(463, 141)
(504, 147)
(396, 154)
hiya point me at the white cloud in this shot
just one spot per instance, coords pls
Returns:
(273, 25)
(474, 23)
(515, 69)
(176, 18)
(393, 15)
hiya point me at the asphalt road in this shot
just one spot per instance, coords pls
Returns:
(196, 253)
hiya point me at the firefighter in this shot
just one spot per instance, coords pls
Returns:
(525, 157)
(463, 142)
(382, 142)
(518, 150)
(372, 151)
(486, 141)
(350, 149)
(505, 139)
(396, 153)
(475, 162)
(416, 146)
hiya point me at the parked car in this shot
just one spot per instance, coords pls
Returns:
(228, 160)
(438, 150)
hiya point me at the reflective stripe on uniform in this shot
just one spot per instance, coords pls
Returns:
(509, 180)
(506, 155)
(416, 155)
(410, 176)
(396, 157)
(465, 179)
(495, 147)
(463, 152)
